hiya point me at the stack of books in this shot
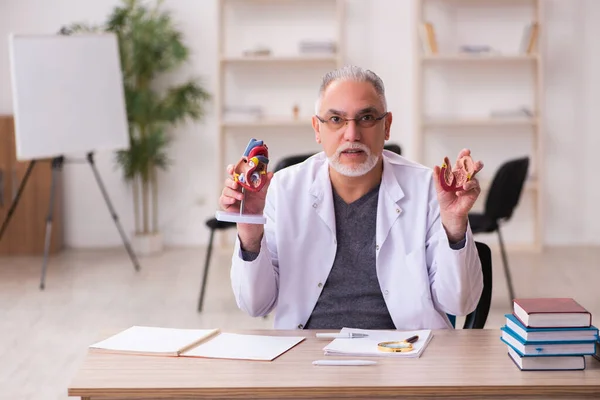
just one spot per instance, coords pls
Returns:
(549, 334)
(317, 47)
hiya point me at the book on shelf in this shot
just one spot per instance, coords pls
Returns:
(550, 334)
(551, 313)
(207, 343)
(317, 47)
(427, 36)
(530, 38)
(520, 112)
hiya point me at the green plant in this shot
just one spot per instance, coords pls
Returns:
(149, 45)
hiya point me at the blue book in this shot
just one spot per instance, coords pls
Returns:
(547, 348)
(547, 363)
(550, 334)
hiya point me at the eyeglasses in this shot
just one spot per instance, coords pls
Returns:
(336, 122)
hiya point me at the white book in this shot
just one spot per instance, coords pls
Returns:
(208, 343)
(244, 347)
(368, 346)
(149, 340)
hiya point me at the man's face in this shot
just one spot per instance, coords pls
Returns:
(352, 147)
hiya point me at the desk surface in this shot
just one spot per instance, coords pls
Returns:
(456, 363)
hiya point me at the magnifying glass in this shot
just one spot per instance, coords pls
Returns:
(395, 347)
(398, 346)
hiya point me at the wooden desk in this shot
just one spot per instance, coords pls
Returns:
(460, 363)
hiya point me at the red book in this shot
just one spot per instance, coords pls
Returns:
(551, 313)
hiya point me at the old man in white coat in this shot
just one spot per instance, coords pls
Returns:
(356, 236)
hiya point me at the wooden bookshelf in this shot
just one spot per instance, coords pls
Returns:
(479, 58)
(278, 59)
(299, 20)
(477, 122)
(270, 123)
(453, 40)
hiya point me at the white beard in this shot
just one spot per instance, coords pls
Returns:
(350, 170)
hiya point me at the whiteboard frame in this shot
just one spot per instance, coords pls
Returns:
(87, 115)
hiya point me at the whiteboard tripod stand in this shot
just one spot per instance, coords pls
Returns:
(68, 98)
(57, 165)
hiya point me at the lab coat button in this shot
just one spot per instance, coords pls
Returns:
(320, 285)
(386, 292)
(376, 247)
(397, 211)
(314, 205)
(300, 326)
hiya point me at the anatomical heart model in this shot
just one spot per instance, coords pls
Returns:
(453, 179)
(251, 170)
(250, 173)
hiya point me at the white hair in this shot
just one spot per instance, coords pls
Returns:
(355, 74)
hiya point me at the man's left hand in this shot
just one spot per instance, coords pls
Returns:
(455, 206)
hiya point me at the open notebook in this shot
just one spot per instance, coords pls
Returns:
(209, 343)
(367, 347)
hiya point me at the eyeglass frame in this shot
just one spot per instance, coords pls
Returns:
(347, 120)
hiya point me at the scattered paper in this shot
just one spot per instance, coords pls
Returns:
(367, 347)
(153, 340)
(244, 347)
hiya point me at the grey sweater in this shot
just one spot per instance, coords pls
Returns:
(351, 296)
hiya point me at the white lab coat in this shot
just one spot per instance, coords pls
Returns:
(421, 277)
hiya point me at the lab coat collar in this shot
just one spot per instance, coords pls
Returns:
(389, 181)
(323, 197)
(388, 207)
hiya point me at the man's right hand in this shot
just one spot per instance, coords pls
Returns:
(254, 203)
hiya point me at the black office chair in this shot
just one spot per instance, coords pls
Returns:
(477, 319)
(213, 224)
(291, 160)
(502, 199)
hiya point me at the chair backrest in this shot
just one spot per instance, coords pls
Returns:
(477, 319)
(506, 188)
(393, 147)
(291, 160)
(297, 159)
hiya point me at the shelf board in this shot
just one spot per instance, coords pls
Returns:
(266, 1)
(269, 122)
(479, 58)
(478, 122)
(279, 59)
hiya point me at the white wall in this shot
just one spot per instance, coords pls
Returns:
(380, 37)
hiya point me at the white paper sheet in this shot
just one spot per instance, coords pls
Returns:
(244, 347)
(367, 347)
(153, 340)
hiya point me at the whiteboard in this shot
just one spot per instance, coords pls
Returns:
(68, 95)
